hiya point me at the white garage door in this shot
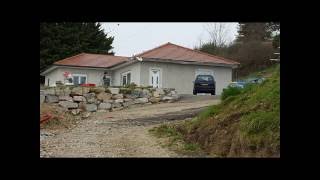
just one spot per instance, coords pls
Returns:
(204, 72)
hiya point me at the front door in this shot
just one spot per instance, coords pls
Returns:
(107, 81)
(155, 78)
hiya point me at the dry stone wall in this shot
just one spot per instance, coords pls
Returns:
(101, 99)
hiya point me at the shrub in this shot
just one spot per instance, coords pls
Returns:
(108, 90)
(125, 91)
(146, 87)
(230, 91)
(131, 86)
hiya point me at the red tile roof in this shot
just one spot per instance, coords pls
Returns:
(92, 60)
(171, 51)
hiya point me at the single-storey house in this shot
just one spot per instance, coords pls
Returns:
(166, 66)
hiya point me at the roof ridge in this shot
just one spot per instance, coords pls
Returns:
(189, 49)
(218, 57)
(153, 49)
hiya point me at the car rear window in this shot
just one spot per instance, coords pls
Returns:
(204, 78)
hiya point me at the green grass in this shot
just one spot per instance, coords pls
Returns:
(192, 147)
(262, 127)
(230, 91)
(165, 131)
(208, 112)
(175, 139)
(247, 124)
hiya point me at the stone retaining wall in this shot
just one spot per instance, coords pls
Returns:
(101, 99)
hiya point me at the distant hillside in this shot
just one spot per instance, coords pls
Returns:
(244, 125)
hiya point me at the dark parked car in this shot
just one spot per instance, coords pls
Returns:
(204, 84)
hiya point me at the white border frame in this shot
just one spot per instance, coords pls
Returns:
(80, 75)
(125, 73)
(160, 75)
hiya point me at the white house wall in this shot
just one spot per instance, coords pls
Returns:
(52, 77)
(176, 76)
(181, 77)
(135, 74)
(94, 76)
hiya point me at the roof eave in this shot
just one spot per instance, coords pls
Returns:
(107, 67)
(234, 66)
(127, 63)
(73, 66)
(55, 66)
(49, 69)
(189, 62)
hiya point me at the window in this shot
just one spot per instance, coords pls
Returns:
(126, 78)
(76, 80)
(79, 79)
(70, 80)
(204, 78)
(83, 80)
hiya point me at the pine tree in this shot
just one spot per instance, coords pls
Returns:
(61, 40)
(274, 28)
(253, 32)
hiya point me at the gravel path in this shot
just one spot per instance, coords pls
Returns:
(121, 133)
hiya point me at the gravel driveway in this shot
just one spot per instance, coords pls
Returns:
(122, 133)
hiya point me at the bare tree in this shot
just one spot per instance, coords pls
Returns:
(218, 33)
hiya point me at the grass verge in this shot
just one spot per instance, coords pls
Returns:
(243, 125)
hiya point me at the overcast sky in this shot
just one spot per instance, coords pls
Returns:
(134, 38)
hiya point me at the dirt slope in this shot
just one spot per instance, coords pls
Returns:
(245, 125)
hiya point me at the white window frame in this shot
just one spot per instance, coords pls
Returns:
(79, 75)
(160, 76)
(125, 74)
